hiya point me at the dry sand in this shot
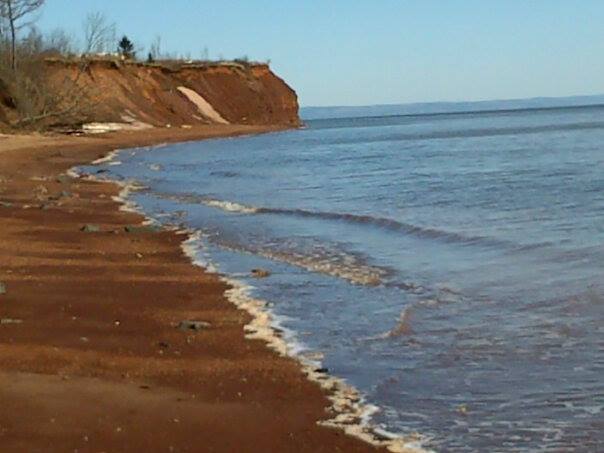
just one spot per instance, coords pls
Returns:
(90, 358)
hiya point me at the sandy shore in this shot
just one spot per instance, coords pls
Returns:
(91, 359)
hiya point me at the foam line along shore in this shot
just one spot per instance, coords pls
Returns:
(107, 323)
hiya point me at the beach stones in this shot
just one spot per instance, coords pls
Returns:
(193, 325)
(89, 228)
(41, 192)
(141, 229)
(7, 321)
(63, 179)
(260, 273)
(462, 409)
(62, 194)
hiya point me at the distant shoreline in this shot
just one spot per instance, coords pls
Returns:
(449, 108)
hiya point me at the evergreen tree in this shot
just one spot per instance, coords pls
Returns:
(126, 48)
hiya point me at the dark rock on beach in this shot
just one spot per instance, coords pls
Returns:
(63, 179)
(90, 228)
(62, 194)
(138, 229)
(260, 273)
(193, 325)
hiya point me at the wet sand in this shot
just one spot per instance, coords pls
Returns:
(90, 355)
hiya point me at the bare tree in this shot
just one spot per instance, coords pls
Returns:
(155, 49)
(60, 41)
(99, 34)
(41, 100)
(3, 25)
(44, 92)
(31, 45)
(15, 13)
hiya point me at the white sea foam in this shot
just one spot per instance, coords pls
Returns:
(337, 264)
(193, 249)
(123, 197)
(72, 173)
(108, 158)
(355, 272)
(342, 266)
(230, 206)
(127, 187)
(349, 410)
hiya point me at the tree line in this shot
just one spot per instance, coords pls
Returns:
(25, 85)
(19, 35)
(24, 51)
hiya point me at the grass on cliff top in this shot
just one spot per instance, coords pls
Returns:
(170, 65)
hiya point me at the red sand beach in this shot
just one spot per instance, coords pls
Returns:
(91, 358)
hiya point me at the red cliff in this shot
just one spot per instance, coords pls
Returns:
(161, 94)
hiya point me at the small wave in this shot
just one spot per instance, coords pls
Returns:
(403, 326)
(108, 158)
(354, 272)
(381, 222)
(224, 174)
(323, 259)
(230, 206)
(394, 225)
(390, 224)
(469, 133)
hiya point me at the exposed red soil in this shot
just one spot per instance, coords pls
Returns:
(241, 93)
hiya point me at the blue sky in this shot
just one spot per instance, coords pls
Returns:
(361, 52)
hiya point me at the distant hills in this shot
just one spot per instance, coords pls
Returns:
(310, 113)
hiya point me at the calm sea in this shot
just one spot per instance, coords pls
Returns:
(449, 266)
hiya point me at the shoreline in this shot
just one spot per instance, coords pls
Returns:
(49, 354)
(349, 411)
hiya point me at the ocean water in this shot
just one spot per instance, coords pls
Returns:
(448, 266)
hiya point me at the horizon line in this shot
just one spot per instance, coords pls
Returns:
(417, 103)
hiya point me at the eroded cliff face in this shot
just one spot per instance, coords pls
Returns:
(160, 95)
